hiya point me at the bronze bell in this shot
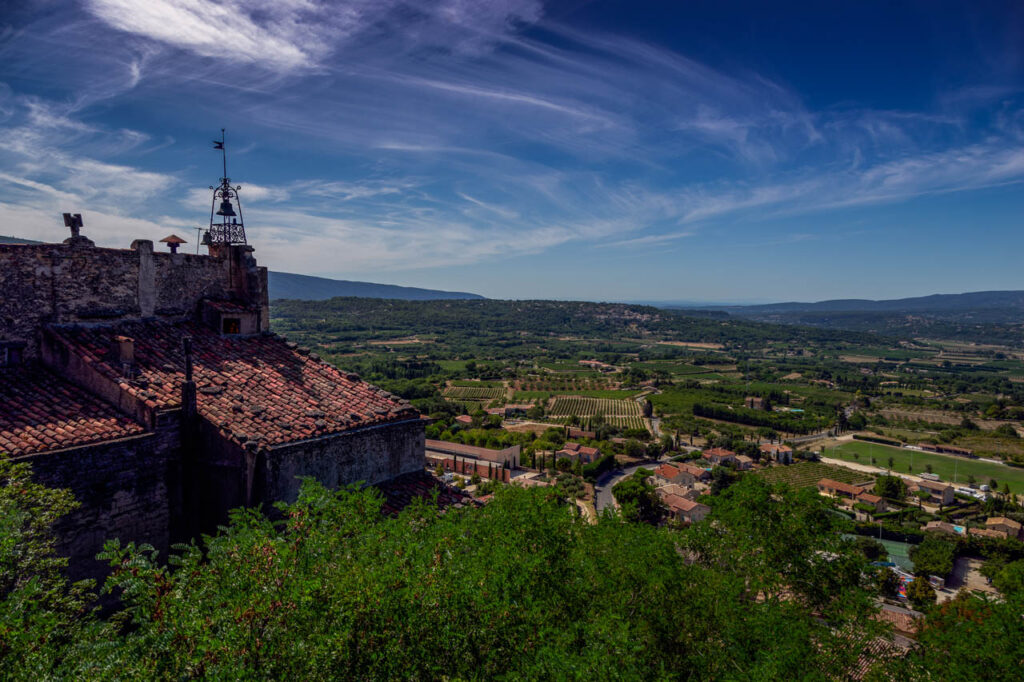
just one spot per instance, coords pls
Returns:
(207, 240)
(225, 209)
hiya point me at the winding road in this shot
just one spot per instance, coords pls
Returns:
(605, 484)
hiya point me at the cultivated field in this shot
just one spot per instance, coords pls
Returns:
(633, 422)
(473, 393)
(807, 474)
(580, 406)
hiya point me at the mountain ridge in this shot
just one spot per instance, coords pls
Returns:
(288, 285)
(933, 303)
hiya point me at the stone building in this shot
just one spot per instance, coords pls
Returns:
(148, 383)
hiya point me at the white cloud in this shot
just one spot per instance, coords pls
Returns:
(285, 35)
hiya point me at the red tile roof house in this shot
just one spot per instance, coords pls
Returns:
(783, 454)
(667, 473)
(100, 396)
(719, 455)
(681, 473)
(839, 489)
(874, 500)
(938, 492)
(576, 451)
(687, 511)
(1001, 524)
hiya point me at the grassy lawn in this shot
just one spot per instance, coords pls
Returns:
(943, 465)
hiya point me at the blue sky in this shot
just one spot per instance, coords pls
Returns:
(662, 150)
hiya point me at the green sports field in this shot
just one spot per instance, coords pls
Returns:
(951, 469)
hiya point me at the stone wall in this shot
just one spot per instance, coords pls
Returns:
(370, 455)
(76, 282)
(125, 489)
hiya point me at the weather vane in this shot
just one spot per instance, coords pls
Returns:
(226, 226)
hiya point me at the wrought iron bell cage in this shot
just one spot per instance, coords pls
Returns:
(226, 226)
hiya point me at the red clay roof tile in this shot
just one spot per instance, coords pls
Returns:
(252, 387)
(41, 412)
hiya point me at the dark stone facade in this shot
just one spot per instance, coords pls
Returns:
(181, 474)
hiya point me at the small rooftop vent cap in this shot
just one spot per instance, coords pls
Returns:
(173, 241)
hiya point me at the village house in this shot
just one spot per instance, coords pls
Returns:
(938, 492)
(1001, 524)
(783, 454)
(684, 510)
(940, 527)
(873, 500)
(666, 473)
(577, 452)
(719, 456)
(574, 433)
(676, 489)
(838, 489)
(744, 463)
(852, 494)
(682, 473)
(988, 533)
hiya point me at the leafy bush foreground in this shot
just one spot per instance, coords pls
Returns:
(521, 588)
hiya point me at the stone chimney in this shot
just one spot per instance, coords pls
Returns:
(124, 350)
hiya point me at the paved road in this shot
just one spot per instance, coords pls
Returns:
(608, 481)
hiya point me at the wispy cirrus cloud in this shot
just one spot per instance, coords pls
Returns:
(408, 134)
(285, 35)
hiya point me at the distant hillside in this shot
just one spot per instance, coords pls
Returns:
(17, 240)
(306, 288)
(936, 303)
(980, 316)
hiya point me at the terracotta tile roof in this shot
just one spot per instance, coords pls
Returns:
(839, 486)
(1003, 521)
(40, 412)
(718, 452)
(254, 388)
(869, 498)
(988, 532)
(672, 489)
(693, 470)
(772, 448)
(667, 471)
(682, 504)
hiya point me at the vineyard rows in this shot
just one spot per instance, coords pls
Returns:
(473, 393)
(633, 422)
(807, 474)
(567, 406)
